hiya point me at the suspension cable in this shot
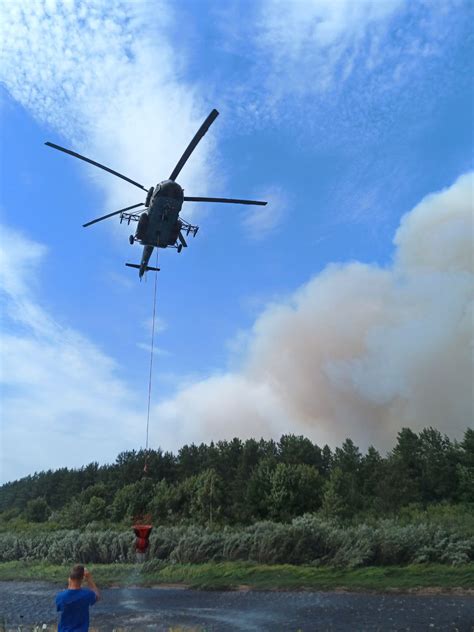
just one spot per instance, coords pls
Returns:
(151, 368)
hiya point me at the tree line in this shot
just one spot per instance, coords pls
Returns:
(242, 482)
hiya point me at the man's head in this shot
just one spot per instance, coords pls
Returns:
(77, 573)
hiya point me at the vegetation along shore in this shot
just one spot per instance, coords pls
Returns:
(243, 576)
(263, 514)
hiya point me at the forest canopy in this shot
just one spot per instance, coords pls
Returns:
(242, 482)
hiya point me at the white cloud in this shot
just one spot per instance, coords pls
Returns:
(349, 68)
(358, 351)
(63, 400)
(322, 38)
(107, 78)
(160, 325)
(260, 221)
(157, 351)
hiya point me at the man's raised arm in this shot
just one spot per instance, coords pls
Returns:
(91, 583)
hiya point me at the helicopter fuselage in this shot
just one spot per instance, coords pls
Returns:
(159, 225)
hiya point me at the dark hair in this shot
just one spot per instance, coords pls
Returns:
(77, 572)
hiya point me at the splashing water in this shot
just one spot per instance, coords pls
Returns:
(132, 580)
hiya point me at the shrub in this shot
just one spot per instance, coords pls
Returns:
(306, 540)
(37, 510)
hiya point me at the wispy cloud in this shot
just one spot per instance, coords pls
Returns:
(158, 351)
(160, 325)
(322, 37)
(260, 221)
(63, 400)
(348, 68)
(107, 78)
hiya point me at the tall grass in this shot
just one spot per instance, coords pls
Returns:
(306, 540)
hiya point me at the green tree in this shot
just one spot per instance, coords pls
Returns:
(438, 463)
(348, 483)
(296, 450)
(95, 510)
(467, 446)
(326, 461)
(465, 468)
(295, 490)
(238, 509)
(465, 476)
(335, 496)
(207, 497)
(259, 487)
(172, 503)
(372, 471)
(73, 515)
(132, 501)
(408, 451)
(37, 510)
(402, 483)
(129, 467)
(99, 490)
(190, 460)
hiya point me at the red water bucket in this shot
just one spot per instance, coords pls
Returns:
(142, 533)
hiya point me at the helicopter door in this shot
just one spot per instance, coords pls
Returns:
(142, 226)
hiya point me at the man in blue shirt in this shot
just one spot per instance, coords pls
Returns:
(73, 603)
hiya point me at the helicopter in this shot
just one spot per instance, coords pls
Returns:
(159, 225)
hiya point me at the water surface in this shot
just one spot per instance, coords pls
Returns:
(159, 609)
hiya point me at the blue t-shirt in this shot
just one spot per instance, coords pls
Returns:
(73, 604)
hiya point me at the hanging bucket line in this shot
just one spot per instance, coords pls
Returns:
(151, 368)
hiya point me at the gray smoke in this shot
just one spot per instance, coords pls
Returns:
(359, 350)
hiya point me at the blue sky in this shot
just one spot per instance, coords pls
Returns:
(344, 115)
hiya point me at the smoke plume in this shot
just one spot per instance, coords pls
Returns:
(359, 350)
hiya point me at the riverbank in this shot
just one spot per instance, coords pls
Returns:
(237, 575)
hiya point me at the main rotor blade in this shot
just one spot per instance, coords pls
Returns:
(96, 164)
(226, 200)
(122, 210)
(192, 145)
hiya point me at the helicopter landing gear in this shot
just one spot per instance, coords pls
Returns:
(131, 239)
(180, 247)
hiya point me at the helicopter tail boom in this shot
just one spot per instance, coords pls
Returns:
(136, 265)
